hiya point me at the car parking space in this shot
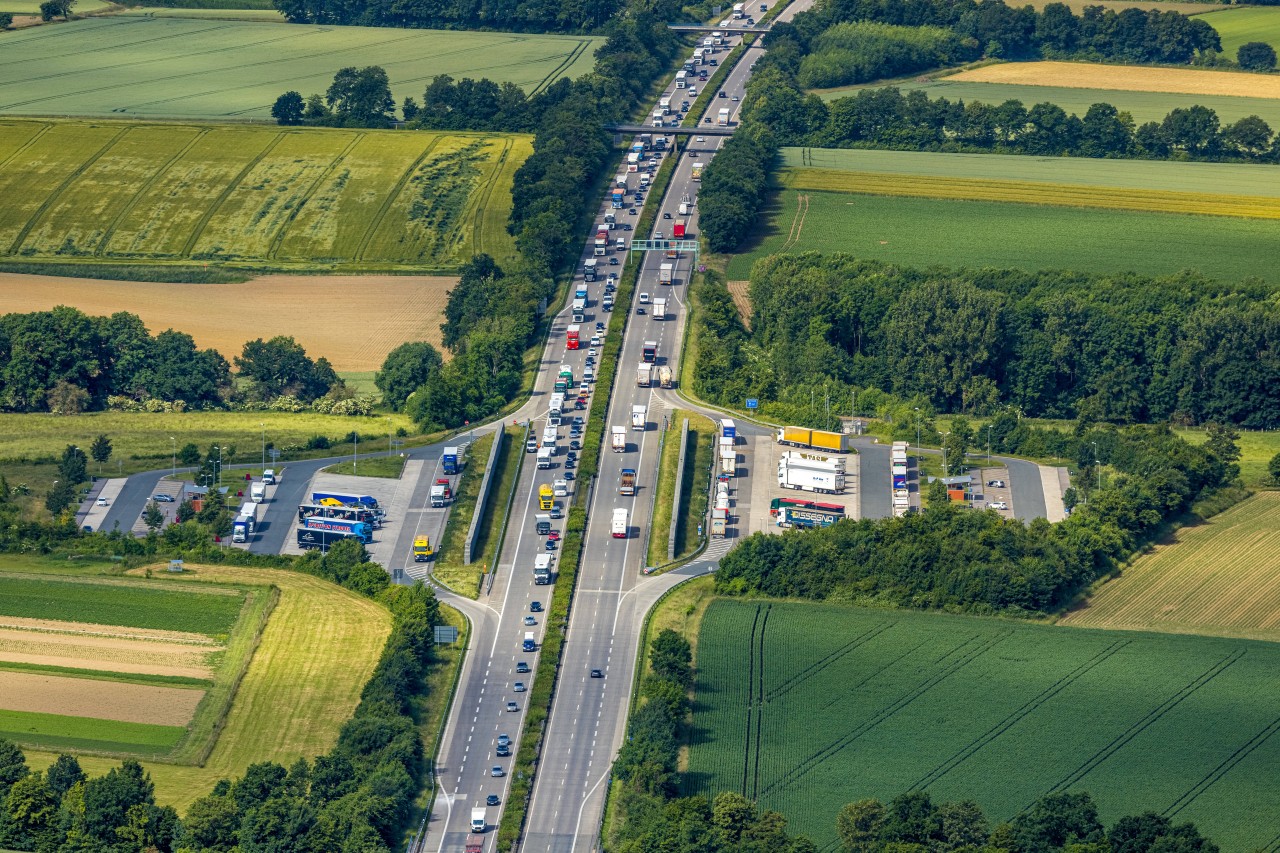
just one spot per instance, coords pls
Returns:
(995, 493)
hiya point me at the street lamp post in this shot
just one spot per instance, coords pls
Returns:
(264, 449)
(173, 470)
(355, 452)
(1096, 466)
(988, 444)
(946, 469)
(917, 429)
(219, 449)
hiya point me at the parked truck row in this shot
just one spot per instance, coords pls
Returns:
(816, 439)
(901, 491)
(811, 473)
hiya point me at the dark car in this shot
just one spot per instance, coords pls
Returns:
(575, 445)
(613, 262)
(551, 544)
(503, 752)
(596, 673)
(723, 93)
(535, 606)
(569, 463)
(568, 475)
(521, 666)
(599, 324)
(577, 421)
(492, 800)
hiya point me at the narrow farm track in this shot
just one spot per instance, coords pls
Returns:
(570, 58)
(53, 196)
(22, 149)
(226, 192)
(482, 201)
(375, 221)
(143, 189)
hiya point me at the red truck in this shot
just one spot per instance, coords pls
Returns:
(475, 843)
(678, 233)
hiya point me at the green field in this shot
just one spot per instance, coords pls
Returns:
(86, 733)
(806, 707)
(137, 604)
(268, 15)
(1237, 26)
(1143, 106)
(306, 199)
(194, 69)
(32, 7)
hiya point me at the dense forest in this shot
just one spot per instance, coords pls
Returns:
(653, 816)
(1053, 344)
(356, 798)
(562, 16)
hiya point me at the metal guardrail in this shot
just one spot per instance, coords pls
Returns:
(499, 436)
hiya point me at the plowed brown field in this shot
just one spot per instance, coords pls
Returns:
(104, 700)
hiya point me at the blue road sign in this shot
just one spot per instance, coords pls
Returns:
(753, 403)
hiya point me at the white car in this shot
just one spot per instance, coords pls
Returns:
(101, 502)
(998, 505)
(560, 489)
(701, 139)
(644, 299)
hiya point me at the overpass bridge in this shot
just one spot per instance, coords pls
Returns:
(707, 130)
(703, 28)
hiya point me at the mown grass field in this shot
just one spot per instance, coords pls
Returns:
(1143, 106)
(316, 653)
(254, 196)
(210, 610)
(1239, 25)
(201, 310)
(1137, 78)
(1221, 577)
(190, 68)
(806, 707)
(983, 210)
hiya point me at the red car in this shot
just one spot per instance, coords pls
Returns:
(554, 536)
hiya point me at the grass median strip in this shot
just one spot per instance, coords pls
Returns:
(390, 467)
(693, 497)
(448, 568)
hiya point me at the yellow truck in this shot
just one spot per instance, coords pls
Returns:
(814, 438)
(545, 497)
(421, 549)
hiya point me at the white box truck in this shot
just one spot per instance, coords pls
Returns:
(801, 459)
(810, 480)
(722, 118)
(258, 492)
(660, 308)
(637, 418)
(477, 820)
(619, 439)
(544, 457)
(644, 374)
(664, 273)
(619, 523)
(269, 477)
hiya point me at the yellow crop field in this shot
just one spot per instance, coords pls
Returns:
(1031, 192)
(1220, 578)
(296, 198)
(318, 649)
(1083, 75)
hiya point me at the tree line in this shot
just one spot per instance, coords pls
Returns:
(1001, 31)
(1121, 348)
(888, 119)
(356, 798)
(563, 16)
(66, 362)
(653, 815)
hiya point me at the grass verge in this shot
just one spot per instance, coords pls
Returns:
(448, 568)
(390, 467)
(693, 487)
(498, 505)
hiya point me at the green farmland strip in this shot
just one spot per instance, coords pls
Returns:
(808, 707)
(118, 602)
(923, 232)
(181, 67)
(1237, 26)
(54, 731)
(1143, 106)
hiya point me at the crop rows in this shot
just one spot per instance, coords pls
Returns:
(1031, 192)
(300, 197)
(817, 706)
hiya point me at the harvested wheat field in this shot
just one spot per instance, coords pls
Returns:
(109, 653)
(741, 293)
(352, 320)
(103, 700)
(1081, 75)
(1220, 578)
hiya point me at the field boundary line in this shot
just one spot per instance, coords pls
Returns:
(978, 743)
(144, 189)
(893, 708)
(751, 663)
(62, 187)
(390, 200)
(1226, 766)
(1136, 728)
(877, 673)
(283, 230)
(482, 201)
(822, 663)
(759, 732)
(21, 149)
(203, 223)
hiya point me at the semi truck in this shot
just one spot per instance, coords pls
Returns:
(810, 479)
(601, 241)
(474, 843)
(665, 105)
(421, 549)
(619, 439)
(664, 376)
(580, 310)
(728, 463)
(451, 461)
(617, 195)
(659, 308)
(644, 374)
(589, 269)
(813, 460)
(349, 513)
(679, 231)
(722, 117)
(778, 504)
(627, 481)
(719, 521)
(649, 352)
(542, 569)
(572, 336)
(249, 510)
(241, 529)
(805, 517)
(696, 173)
(813, 438)
(728, 429)
(637, 417)
(545, 497)
(544, 457)
(439, 495)
(358, 529)
(348, 499)
(322, 539)
(664, 273)
(619, 523)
